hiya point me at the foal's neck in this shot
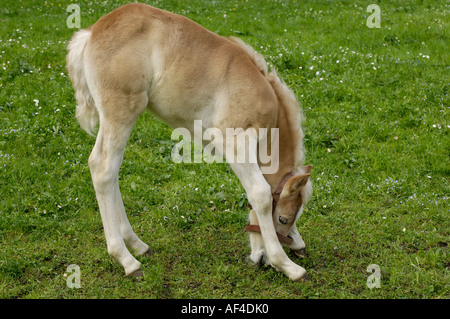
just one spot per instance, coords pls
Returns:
(287, 149)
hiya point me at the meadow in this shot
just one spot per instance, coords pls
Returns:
(376, 105)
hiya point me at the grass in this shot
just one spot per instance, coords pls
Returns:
(376, 103)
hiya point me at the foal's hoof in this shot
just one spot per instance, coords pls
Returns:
(259, 260)
(300, 252)
(136, 274)
(304, 278)
(148, 253)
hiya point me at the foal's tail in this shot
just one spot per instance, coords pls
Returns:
(86, 113)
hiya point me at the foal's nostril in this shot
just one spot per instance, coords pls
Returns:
(283, 220)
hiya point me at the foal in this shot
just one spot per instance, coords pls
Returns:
(139, 58)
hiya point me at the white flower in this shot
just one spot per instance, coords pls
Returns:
(311, 67)
(36, 102)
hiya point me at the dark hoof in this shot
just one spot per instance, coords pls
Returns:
(148, 253)
(263, 261)
(304, 278)
(300, 252)
(137, 274)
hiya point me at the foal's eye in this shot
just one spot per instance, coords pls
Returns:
(283, 220)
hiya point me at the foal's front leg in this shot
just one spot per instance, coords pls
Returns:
(260, 197)
(258, 254)
(298, 245)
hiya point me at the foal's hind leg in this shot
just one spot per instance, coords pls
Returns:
(116, 122)
(132, 241)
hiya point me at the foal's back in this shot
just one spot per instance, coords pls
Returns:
(150, 58)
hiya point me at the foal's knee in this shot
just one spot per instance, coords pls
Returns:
(261, 199)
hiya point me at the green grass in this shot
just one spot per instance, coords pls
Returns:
(376, 103)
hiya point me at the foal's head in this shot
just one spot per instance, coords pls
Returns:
(289, 206)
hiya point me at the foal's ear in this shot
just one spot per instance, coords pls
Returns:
(296, 183)
(307, 169)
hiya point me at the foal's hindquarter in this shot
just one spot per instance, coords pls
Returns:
(138, 58)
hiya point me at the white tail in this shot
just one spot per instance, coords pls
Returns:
(86, 112)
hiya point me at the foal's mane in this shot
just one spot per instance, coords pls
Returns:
(286, 99)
